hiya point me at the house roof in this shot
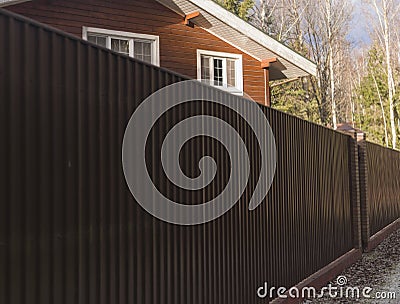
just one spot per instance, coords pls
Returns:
(244, 36)
(4, 3)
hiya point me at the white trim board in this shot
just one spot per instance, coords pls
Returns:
(5, 3)
(255, 34)
(238, 90)
(230, 28)
(128, 35)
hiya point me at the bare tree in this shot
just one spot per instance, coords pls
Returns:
(328, 12)
(382, 109)
(281, 18)
(318, 29)
(386, 12)
(327, 24)
(359, 72)
(263, 17)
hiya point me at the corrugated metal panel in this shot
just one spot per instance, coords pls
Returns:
(383, 186)
(71, 232)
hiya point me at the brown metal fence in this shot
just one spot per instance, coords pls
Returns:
(71, 232)
(383, 189)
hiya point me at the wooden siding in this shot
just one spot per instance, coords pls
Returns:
(178, 43)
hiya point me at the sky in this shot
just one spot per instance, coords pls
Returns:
(358, 35)
(359, 32)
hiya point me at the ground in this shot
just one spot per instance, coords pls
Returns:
(379, 270)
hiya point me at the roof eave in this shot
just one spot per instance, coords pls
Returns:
(256, 35)
(4, 4)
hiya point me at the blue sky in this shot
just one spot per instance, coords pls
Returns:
(359, 29)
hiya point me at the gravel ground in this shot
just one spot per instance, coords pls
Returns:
(379, 270)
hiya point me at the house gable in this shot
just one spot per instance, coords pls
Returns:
(241, 34)
(178, 43)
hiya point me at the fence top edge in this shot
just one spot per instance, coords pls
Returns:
(34, 23)
(39, 25)
(381, 146)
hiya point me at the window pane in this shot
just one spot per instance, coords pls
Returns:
(220, 71)
(147, 48)
(120, 45)
(124, 46)
(115, 45)
(147, 59)
(218, 81)
(205, 69)
(99, 40)
(230, 66)
(142, 50)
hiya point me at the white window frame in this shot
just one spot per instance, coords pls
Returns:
(238, 89)
(155, 50)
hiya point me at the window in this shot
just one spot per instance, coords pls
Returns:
(139, 46)
(222, 70)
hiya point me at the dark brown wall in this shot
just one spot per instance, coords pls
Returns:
(178, 43)
(72, 233)
(383, 184)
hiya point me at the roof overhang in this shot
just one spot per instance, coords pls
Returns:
(245, 37)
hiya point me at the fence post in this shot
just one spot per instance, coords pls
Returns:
(356, 182)
(363, 169)
(355, 190)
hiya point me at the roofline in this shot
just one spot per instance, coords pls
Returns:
(246, 29)
(257, 35)
(12, 2)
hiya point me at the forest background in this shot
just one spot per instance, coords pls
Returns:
(356, 46)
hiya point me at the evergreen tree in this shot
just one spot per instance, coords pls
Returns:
(372, 99)
(241, 8)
